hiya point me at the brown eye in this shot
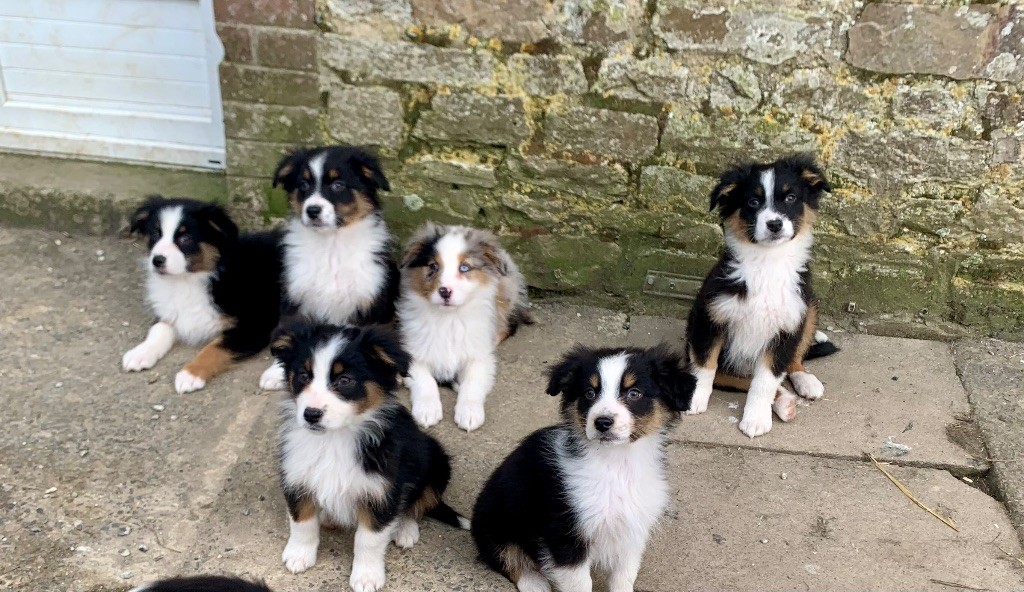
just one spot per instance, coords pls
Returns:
(433, 267)
(185, 240)
(303, 185)
(337, 186)
(790, 198)
(754, 202)
(343, 381)
(591, 394)
(302, 376)
(634, 395)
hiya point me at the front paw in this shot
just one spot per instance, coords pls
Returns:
(272, 379)
(298, 557)
(186, 382)
(140, 357)
(699, 401)
(756, 422)
(785, 404)
(367, 578)
(427, 410)
(407, 534)
(469, 415)
(807, 385)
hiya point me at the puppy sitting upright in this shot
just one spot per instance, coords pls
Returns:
(207, 286)
(337, 262)
(585, 493)
(754, 319)
(462, 295)
(350, 452)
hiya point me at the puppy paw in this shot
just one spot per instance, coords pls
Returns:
(298, 557)
(367, 578)
(807, 385)
(427, 412)
(186, 382)
(785, 404)
(140, 357)
(531, 581)
(469, 416)
(756, 422)
(699, 401)
(272, 379)
(407, 534)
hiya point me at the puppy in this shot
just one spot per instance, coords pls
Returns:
(337, 249)
(754, 319)
(461, 295)
(203, 584)
(585, 493)
(350, 452)
(207, 285)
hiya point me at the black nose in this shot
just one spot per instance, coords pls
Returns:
(312, 414)
(603, 423)
(444, 292)
(314, 211)
(774, 225)
(159, 260)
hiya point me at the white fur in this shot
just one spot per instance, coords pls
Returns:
(533, 581)
(610, 370)
(185, 302)
(784, 405)
(303, 541)
(757, 411)
(702, 392)
(368, 558)
(572, 579)
(769, 213)
(807, 385)
(145, 355)
(273, 378)
(186, 382)
(170, 219)
(618, 493)
(407, 533)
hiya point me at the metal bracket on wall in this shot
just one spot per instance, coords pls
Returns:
(673, 285)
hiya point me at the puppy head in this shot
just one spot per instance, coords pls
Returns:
(331, 187)
(615, 396)
(769, 204)
(450, 265)
(338, 376)
(185, 235)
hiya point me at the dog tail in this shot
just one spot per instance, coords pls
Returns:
(203, 584)
(821, 347)
(442, 512)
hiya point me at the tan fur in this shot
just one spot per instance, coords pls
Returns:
(210, 361)
(305, 510)
(515, 561)
(205, 260)
(295, 203)
(806, 339)
(811, 177)
(652, 423)
(375, 397)
(628, 380)
(735, 225)
(427, 502)
(712, 362)
(360, 207)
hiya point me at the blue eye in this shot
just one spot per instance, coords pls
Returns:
(464, 268)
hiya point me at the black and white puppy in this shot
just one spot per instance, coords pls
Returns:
(208, 286)
(350, 453)
(337, 249)
(462, 295)
(203, 584)
(585, 494)
(754, 321)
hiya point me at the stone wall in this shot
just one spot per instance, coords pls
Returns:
(588, 133)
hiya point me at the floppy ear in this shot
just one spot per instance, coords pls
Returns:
(217, 219)
(727, 185)
(492, 254)
(809, 171)
(720, 193)
(672, 377)
(282, 343)
(138, 221)
(415, 253)
(369, 169)
(383, 350)
(287, 171)
(566, 372)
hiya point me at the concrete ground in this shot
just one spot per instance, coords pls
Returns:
(110, 479)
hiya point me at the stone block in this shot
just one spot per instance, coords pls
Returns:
(271, 87)
(616, 135)
(497, 120)
(544, 75)
(368, 19)
(271, 123)
(961, 42)
(735, 88)
(997, 218)
(286, 49)
(883, 160)
(372, 61)
(668, 188)
(824, 94)
(277, 13)
(365, 115)
(564, 263)
(659, 79)
(511, 20)
(237, 43)
(605, 23)
(936, 105)
(937, 217)
(712, 144)
(604, 181)
(246, 158)
(996, 309)
(453, 172)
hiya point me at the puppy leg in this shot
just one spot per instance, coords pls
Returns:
(368, 561)
(806, 384)
(531, 580)
(624, 569)
(156, 345)
(475, 382)
(571, 578)
(273, 378)
(703, 364)
(209, 362)
(757, 412)
(304, 538)
(784, 405)
(426, 398)
(407, 533)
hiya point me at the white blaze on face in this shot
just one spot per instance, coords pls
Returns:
(318, 394)
(327, 217)
(607, 404)
(175, 264)
(450, 250)
(768, 213)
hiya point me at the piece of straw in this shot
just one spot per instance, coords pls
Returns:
(956, 585)
(907, 493)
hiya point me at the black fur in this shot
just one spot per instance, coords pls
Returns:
(205, 584)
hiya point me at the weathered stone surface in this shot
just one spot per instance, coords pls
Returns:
(565, 263)
(887, 159)
(711, 144)
(616, 135)
(827, 95)
(370, 61)
(365, 116)
(936, 105)
(547, 74)
(658, 79)
(603, 181)
(272, 87)
(997, 309)
(254, 159)
(237, 43)
(480, 119)
(936, 217)
(513, 20)
(1000, 108)
(286, 49)
(271, 123)
(735, 88)
(603, 23)
(668, 187)
(767, 36)
(452, 171)
(980, 41)
(373, 19)
(278, 13)
(997, 218)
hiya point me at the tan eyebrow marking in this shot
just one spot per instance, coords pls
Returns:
(337, 368)
(595, 380)
(628, 380)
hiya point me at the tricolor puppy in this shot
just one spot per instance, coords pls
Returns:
(203, 584)
(351, 454)
(462, 295)
(754, 319)
(584, 494)
(337, 249)
(207, 285)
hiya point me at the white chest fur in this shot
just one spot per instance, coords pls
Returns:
(185, 302)
(445, 339)
(327, 464)
(773, 302)
(332, 275)
(618, 492)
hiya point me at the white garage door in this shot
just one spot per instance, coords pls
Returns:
(132, 80)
